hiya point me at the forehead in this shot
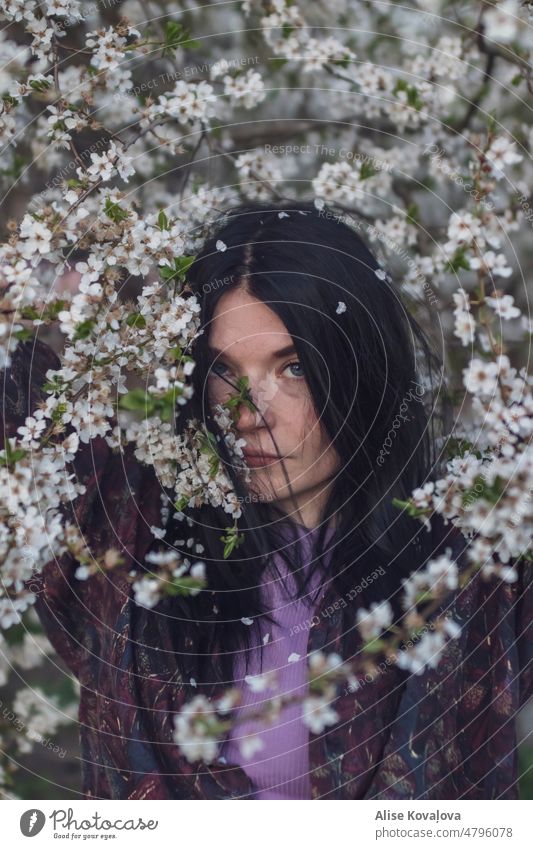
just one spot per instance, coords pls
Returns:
(246, 326)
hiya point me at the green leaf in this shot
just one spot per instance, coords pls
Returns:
(165, 405)
(416, 633)
(15, 635)
(23, 334)
(167, 273)
(57, 414)
(183, 263)
(413, 98)
(51, 312)
(114, 211)
(135, 399)
(375, 645)
(54, 308)
(424, 595)
(183, 585)
(491, 123)
(11, 455)
(56, 385)
(231, 540)
(136, 320)
(412, 213)
(181, 503)
(481, 489)
(162, 221)
(18, 164)
(83, 329)
(40, 85)
(151, 404)
(458, 261)
(366, 171)
(177, 36)
(343, 63)
(456, 447)
(277, 63)
(412, 511)
(179, 271)
(397, 502)
(207, 441)
(208, 445)
(233, 543)
(29, 312)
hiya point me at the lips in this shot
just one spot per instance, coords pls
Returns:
(250, 453)
(255, 459)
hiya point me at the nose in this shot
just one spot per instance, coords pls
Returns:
(261, 414)
(248, 420)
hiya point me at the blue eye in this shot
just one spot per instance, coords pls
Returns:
(216, 366)
(296, 365)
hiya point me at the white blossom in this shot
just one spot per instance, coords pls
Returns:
(318, 713)
(245, 90)
(504, 306)
(250, 745)
(372, 622)
(481, 377)
(259, 683)
(501, 21)
(147, 592)
(191, 730)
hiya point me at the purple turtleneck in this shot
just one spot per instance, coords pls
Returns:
(280, 770)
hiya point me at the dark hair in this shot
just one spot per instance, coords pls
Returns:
(362, 367)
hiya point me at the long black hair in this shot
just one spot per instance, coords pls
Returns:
(377, 385)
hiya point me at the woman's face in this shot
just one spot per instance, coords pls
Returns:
(247, 338)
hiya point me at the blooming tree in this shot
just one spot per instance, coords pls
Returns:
(410, 124)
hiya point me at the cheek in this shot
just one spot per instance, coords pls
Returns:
(217, 391)
(295, 390)
(311, 431)
(297, 417)
(316, 443)
(310, 439)
(322, 462)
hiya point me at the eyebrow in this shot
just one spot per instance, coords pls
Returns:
(283, 352)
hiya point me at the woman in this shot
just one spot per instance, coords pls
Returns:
(294, 301)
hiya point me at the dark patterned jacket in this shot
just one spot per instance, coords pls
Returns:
(448, 733)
